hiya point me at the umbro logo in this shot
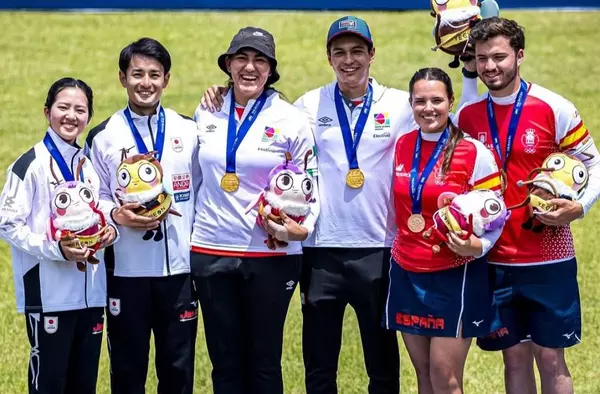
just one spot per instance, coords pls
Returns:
(325, 121)
(210, 128)
(290, 285)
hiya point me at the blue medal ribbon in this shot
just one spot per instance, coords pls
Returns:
(160, 134)
(234, 139)
(416, 183)
(512, 126)
(351, 145)
(62, 165)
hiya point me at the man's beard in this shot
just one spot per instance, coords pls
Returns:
(509, 78)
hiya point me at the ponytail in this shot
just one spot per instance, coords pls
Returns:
(456, 135)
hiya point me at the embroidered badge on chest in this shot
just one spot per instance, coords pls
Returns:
(530, 141)
(382, 121)
(176, 144)
(270, 134)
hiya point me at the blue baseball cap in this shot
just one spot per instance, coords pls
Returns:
(350, 25)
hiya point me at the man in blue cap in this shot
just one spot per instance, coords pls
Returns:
(356, 122)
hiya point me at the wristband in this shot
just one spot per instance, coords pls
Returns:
(112, 217)
(469, 74)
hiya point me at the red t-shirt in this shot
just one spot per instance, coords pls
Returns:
(548, 124)
(472, 167)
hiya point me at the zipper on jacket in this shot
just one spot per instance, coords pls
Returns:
(167, 247)
(85, 284)
(164, 223)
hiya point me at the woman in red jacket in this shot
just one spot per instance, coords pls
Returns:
(437, 300)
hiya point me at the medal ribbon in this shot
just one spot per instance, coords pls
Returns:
(160, 134)
(512, 126)
(235, 139)
(416, 185)
(62, 165)
(351, 145)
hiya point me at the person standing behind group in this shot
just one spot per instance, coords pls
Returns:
(244, 287)
(452, 287)
(63, 306)
(149, 285)
(536, 271)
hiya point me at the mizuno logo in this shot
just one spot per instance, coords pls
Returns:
(568, 336)
(477, 323)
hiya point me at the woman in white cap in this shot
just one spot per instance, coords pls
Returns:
(243, 285)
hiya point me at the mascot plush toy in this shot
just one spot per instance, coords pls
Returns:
(475, 212)
(561, 176)
(289, 190)
(453, 22)
(75, 215)
(140, 180)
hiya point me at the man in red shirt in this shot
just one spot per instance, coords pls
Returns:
(536, 272)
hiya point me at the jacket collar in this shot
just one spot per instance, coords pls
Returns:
(378, 89)
(272, 95)
(144, 118)
(66, 150)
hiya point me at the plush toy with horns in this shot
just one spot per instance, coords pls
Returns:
(140, 180)
(476, 212)
(453, 22)
(289, 190)
(561, 176)
(75, 215)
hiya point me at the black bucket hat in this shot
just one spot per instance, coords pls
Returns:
(257, 39)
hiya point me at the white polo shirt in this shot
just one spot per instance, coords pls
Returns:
(221, 225)
(356, 218)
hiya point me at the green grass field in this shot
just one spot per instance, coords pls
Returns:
(38, 48)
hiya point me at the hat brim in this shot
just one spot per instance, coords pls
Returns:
(222, 61)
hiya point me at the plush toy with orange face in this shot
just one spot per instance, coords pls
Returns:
(140, 180)
(560, 176)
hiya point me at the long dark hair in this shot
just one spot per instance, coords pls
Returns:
(456, 134)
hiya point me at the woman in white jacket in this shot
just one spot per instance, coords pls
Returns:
(63, 299)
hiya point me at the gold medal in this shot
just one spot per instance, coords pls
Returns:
(230, 182)
(355, 178)
(416, 223)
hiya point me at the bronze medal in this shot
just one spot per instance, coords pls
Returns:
(355, 178)
(230, 182)
(416, 223)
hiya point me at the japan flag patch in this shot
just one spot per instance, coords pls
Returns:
(114, 306)
(51, 324)
(176, 144)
